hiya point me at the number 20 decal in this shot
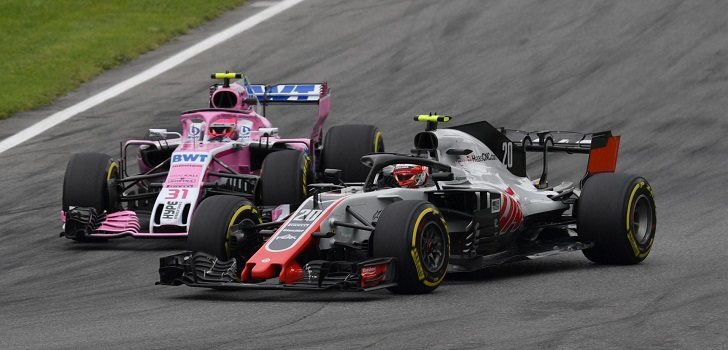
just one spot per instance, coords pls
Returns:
(174, 193)
(308, 214)
(508, 154)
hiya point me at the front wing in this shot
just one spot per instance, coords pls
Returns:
(197, 269)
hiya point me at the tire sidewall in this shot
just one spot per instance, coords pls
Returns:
(425, 216)
(639, 188)
(399, 235)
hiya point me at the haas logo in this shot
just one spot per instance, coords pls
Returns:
(511, 214)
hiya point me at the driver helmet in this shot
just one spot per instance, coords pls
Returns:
(223, 128)
(410, 175)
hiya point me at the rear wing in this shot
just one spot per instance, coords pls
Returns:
(602, 147)
(289, 93)
(510, 146)
(295, 94)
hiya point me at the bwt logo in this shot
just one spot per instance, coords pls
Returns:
(185, 157)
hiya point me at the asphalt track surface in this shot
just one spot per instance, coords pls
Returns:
(655, 72)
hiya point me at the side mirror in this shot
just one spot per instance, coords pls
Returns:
(163, 133)
(268, 132)
(443, 176)
(251, 101)
(333, 175)
(158, 132)
(459, 151)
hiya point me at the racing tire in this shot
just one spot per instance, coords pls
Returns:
(86, 182)
(616, 212)
(212, 225)
(284, 178)
(344, 145)
(415, 233)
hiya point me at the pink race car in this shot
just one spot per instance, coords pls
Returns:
(227, 148)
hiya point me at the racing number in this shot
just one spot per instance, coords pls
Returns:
(308, 214)
(174, 193)
(508, 154)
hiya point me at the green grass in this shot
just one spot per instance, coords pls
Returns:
(49, 47)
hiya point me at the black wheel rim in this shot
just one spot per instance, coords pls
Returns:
(432, 247)
(238, 226)
(642, 219)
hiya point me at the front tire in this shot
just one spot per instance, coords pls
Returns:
(617, 213)
(415, 233)
(212, 226)
(86, 182)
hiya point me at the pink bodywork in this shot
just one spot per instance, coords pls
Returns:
(126, 223)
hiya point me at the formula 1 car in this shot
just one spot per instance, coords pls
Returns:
(227, 148)
(460, 202)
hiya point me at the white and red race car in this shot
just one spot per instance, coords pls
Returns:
(460, 202)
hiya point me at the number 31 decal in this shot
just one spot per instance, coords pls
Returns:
(508, 154)
(174, 193)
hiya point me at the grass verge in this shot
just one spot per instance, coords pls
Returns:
(49, 47)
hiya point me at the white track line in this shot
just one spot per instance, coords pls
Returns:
(159, 68)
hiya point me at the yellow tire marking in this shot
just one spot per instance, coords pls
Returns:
(377, 137)
(415, 255)
(306, 164)
(232, 222)
(110, 171)
(630, 234)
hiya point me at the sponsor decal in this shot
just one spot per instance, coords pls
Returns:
(189, 158)
(291, 232)
(495, 205)
(171, 210)
(194, 132)
(244, 130)
(372, 275)
(302, 221)
(477, 158)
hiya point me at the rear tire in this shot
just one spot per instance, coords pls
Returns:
(415, 233)
(86, 182)
(212, 223)
(284, 177)
(617, 213)
(344, 145)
